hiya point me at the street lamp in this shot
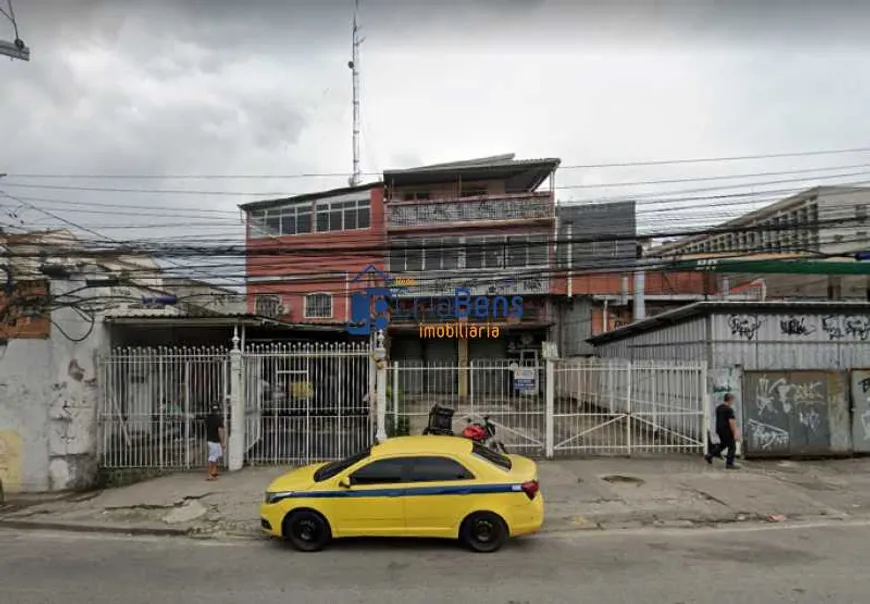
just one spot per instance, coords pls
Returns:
(16, 49)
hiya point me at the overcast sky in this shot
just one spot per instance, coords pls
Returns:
(262, 87)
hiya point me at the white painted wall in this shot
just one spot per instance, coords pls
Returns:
(48, 403)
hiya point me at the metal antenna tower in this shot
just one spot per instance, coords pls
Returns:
(354, 179)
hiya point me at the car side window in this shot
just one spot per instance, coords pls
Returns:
(436, 469)
(382, 471)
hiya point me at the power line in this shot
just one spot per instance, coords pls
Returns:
(330, 283)
(285, 194)
(626, 164)
(317, 250)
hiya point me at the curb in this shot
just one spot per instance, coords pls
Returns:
(95, 528)
(563, 527)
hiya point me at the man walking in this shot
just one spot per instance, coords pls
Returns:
(726, 430)
(215, 437)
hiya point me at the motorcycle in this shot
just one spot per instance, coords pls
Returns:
(483, 433)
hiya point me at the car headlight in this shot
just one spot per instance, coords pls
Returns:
(277, 496)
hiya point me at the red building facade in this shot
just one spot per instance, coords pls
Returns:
(305, 251)
(482, 225)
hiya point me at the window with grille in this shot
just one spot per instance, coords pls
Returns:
(318, 306)
(267, 305)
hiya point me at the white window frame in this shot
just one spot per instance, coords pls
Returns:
(324, 206)
(306, 310)
(258, 219)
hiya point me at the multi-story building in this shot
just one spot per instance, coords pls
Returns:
(600, 275)
(819, 222)
(482, 225)
(305, 252)
(822, 220)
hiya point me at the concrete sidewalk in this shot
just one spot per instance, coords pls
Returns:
(599, 493)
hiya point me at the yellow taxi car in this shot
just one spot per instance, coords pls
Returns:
(410, 486)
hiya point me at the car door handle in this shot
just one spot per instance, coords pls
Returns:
(394, 493)
(464, 492)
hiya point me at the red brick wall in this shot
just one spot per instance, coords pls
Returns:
(317, 269)
(15, 326)
(657, 283)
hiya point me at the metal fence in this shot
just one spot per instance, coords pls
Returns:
(155, 401)
(302, 403)
(309, 402)
(597, 407)
(306, 402)
(485, 387)
(622, 407)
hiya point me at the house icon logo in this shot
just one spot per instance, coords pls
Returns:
(369, 308)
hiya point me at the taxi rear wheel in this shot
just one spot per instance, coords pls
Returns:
(307, 531)
(483, 532)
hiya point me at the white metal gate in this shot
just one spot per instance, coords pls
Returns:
(302, 403)
(596, 407)
(154, 404)
(311, 402)
(485, 387)
(622, 407)
(307, 402)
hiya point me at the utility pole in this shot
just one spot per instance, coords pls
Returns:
(15, 49)
(354, 66)
(639, 313)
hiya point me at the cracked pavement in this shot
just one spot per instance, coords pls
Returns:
(599, 493)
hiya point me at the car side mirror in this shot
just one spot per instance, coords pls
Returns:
(344, 483)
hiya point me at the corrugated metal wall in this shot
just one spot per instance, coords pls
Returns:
(800, 395)
(791, 342)
(681, 342)
(574, 320)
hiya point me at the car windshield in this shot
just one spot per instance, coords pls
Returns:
(493, 457)
(335, 467)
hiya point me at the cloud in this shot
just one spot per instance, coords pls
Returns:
(163, 88)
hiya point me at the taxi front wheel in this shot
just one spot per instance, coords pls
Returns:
(307, 531)
(483, 532)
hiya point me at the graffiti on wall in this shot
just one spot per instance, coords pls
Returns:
(10, 460)
(744, 326)
(861, 410)
(793, 412)
(835, 327)
(796, 326)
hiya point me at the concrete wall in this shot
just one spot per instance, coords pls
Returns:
(48, 403)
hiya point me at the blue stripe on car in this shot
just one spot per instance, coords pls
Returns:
(477, 489)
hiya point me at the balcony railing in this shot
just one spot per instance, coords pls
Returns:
(429, 213)
(523, 282)
(415, 312)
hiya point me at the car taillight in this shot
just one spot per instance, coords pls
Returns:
(530, 488)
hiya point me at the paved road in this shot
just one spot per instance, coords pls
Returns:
(776, 564)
